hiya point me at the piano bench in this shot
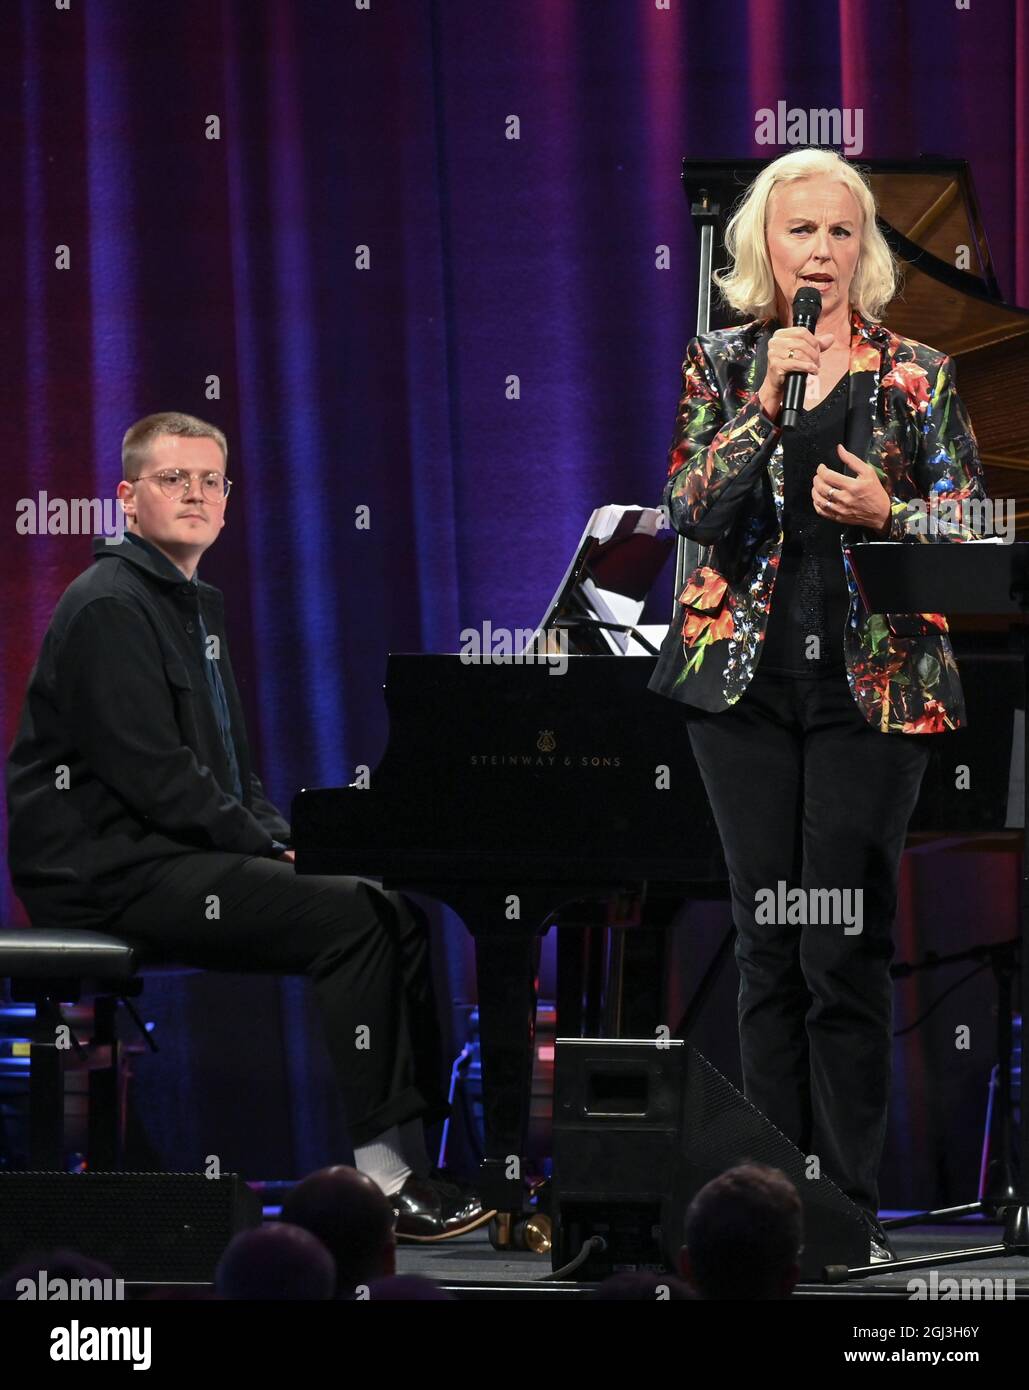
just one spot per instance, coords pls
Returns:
(48, 967)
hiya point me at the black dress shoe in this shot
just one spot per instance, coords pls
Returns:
(429, 1210)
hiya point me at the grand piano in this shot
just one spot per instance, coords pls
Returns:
(522, 800)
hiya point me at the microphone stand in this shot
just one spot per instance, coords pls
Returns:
(998, 1181)
(705, 213)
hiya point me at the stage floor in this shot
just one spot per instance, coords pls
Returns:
(471, 1268)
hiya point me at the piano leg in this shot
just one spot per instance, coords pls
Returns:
(506, 963)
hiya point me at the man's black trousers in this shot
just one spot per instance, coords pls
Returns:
(365, 950)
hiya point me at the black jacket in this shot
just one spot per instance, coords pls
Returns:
(118, 759)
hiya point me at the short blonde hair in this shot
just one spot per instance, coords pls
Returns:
(748, 286)
(138, 438)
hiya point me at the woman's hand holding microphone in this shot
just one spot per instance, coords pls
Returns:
(789, 350)
(860, 500)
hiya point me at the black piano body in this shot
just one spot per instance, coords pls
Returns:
(511, 791)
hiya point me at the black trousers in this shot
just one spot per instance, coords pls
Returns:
(366, 951)
(806, 792)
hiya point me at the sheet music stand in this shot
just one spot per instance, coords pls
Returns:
(983, 578)
(625, 562)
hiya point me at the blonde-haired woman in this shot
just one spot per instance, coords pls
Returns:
(809, 716)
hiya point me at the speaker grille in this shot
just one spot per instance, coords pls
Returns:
(159, 1227)
(722, 1128)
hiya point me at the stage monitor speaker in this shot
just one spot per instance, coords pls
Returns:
(640, 1126)
(148, 1227)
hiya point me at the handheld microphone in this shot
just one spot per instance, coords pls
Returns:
(807, 305)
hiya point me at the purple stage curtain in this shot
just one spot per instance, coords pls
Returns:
(224, 276)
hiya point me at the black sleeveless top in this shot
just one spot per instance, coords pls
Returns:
(810, 597)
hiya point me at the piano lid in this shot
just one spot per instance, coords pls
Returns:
(928, 212)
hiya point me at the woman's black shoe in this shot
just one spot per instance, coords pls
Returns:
(881, 1252)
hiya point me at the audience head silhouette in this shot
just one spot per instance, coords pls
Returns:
(743, 1235)
(352, 1218)
(276, 1262)
(69, 1265)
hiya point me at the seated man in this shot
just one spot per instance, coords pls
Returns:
(133, 806)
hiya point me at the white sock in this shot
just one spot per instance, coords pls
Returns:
(412, 1146)
(383, 1160)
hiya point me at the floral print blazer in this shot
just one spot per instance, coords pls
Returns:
(725, 490)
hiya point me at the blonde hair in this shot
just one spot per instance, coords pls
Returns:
(138, 438)
(748, 286)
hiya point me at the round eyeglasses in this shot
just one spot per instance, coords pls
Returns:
(175, 482)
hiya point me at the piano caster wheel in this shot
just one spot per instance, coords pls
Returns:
(535, 1232)
(500, 1231)
(531, 1232)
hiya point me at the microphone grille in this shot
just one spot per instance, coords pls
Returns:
(806, 302)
